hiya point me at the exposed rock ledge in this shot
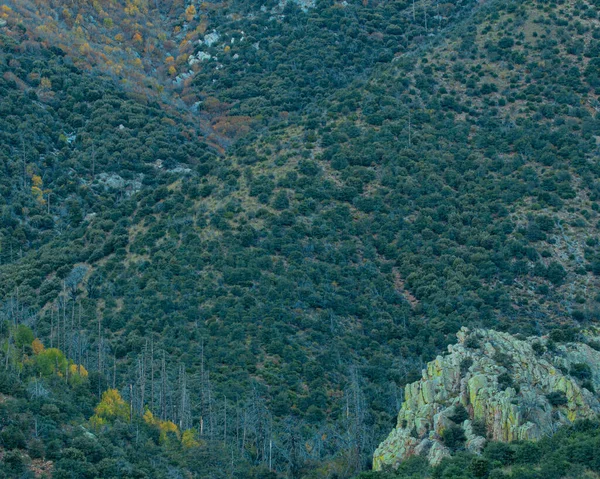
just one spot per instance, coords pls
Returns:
(512, 389)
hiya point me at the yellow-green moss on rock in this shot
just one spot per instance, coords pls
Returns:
(502, 383)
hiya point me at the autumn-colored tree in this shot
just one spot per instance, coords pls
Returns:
(77, 373)
(78, 369)
(190, 13)
(67, 17)
(189, 439)
(45, 83)
(85, 48)
(37, 346)
(165, 427)
(111, 407)
(36, 188)
(5, 10)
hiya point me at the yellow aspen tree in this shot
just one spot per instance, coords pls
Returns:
(36, 188)
(190, 13)
(111, 407)
(37, 346)
(188, 439)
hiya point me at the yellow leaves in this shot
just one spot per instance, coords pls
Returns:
(45, 83)
(165, 427)
(119, 37)
(78, 369)
(172, 70)
(77, 373)
(97, 422)
(38, 194)
(148, 417)
(188, 439)
(85, 48)
(137, 63)
(46, 28)
(5, 10)
(111, 407)
(227, 49)
(37, 346)
(134, 7)
(36, 188)
(190, 13)
(169, 60)
(53, 361)
(137, 37)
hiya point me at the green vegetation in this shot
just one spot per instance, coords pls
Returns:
(53, 424)
(568, 453)
(267, 250)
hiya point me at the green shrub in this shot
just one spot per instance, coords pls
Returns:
(581, 371)
(459, 415)
(454, 437)
(557, 398)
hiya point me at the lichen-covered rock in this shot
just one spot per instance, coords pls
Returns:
(510, 391)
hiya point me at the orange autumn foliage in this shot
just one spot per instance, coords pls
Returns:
(37, 346)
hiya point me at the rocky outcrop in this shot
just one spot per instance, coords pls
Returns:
(494, 386)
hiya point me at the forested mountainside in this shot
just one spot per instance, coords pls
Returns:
(258, 222)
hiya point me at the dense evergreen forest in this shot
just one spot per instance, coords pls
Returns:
(230, 233)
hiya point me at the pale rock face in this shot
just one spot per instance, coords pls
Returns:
(199, 57)
(211, 39)
(112, 181)
(502, 383)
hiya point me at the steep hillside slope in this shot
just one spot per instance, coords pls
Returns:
(391, 174)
